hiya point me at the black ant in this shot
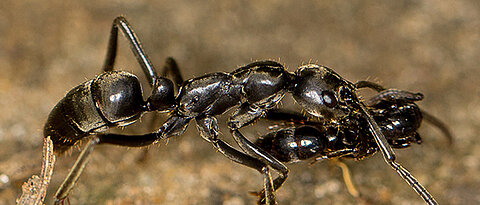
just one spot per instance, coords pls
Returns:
(300, 138)
(114, 98)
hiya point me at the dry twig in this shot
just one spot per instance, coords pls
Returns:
(35, 189)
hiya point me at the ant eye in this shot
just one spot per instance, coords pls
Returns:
(329, 99)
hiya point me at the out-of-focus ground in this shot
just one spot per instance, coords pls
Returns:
(427, 46)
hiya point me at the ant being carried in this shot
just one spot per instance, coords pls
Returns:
(350, 128)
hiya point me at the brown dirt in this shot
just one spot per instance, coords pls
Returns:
(427, 46)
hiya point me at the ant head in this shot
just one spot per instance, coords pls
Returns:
(162, 97)
(322, 92)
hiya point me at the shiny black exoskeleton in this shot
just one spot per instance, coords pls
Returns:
(303, 138)
(111, 99)
(115, 98)
(297, 136)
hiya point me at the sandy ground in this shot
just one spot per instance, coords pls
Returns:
(426, 46)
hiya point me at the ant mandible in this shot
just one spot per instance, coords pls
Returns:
(114, 98)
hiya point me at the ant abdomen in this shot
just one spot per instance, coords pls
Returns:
(111, 99)
(118, 96)
(294, 144)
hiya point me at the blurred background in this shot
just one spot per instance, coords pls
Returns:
(427, 46)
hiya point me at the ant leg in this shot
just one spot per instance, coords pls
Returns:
(128, 140)
(291, 118)
(263, 156)
(208, 128)
(245, 115)
(382, 143)
(246, 160)
(142, 58)
(389, 157)
(173, 126)
(241, 158)
(286, 116)
(75, 171)
(335, 154)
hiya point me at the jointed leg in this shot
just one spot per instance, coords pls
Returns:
(382, 143)
(335, 154)
(75, 171)
(142, 58)
(286, 116)
(173, 126)
(245, 115)
(258, 153)
(208, 128)
(389, 157)
(83, 157)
